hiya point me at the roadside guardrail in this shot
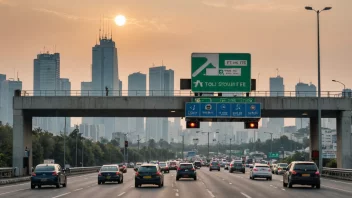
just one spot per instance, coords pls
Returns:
(337, 173)
(81, 170)
(6, 172)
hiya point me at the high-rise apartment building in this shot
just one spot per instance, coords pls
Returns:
(160, 84)
(277, 89)
(304, 90)
(7, 90)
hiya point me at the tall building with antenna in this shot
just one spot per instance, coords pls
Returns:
(105, 73)
(277, 89)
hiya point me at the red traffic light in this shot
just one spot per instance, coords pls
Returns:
(251, 125)
(192, 124)
(315, 154)
(126, 144)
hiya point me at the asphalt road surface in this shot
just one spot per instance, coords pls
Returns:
(209, 185)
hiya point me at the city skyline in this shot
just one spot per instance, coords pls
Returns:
(281, 45)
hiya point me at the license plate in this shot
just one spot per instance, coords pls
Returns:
(147, 177)
(108, 177)
(43, 180)
(305, 175)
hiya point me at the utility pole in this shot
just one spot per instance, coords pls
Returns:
(65, 144)
(183, 146)
(76, 144)
(230, 149)
(138, 140)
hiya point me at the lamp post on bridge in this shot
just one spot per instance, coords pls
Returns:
(217, 131)
(320, 164)
(344, 87)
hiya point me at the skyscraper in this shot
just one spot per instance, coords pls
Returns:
(2, 105)
(160, 84)
(46, 83)
(122, 123)
(8, 88)
(64, 90)
(137, 86)
(277, 89)
(304, 90)
(105, 75)
(86, 88)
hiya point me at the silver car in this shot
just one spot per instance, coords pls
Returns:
(260, 171)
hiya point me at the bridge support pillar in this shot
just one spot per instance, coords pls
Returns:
(343, 129)
(22, 141)
(314, 137)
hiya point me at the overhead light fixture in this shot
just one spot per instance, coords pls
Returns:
(304, 114)
(173, 111)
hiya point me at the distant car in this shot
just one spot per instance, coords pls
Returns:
(214, 166)
(260, 171)
(48, 174)
(237, 165)
(186, 170)
(149, 174)
(197, 164)
(110, 173)
(280, 168)
(227, 165)
(138, 164)
(173, 165)
(164, 167)
(273, 168)
(303, 173)
(123, 167)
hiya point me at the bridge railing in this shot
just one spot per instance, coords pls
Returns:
(337, 173)
(6, 172)
(332, 94)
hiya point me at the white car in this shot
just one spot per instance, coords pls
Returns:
(260, 171)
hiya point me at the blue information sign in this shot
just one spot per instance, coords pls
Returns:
(222, 110)
(207, 109)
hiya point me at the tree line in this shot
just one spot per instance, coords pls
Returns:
(46, 145)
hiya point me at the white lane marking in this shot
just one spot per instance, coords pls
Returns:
(244, 194)
(62, 195)
(275, 187)
(177, 194)
(281, 180)
(121, 194)
(230, 183)
(131, 186)
(13, 191)
(176, 190)
(15, 185)
(78, 189)
(337, 189)
(283, 189)
(337, 181)
(86, 178)
(223, 179)
(210, 193)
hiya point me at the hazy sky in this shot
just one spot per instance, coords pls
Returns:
(278, 33)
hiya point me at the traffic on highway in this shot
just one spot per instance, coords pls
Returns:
(153, 179)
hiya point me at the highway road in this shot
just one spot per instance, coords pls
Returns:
(209, 185)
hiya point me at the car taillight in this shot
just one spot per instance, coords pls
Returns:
(179, 169)
(254, 169)
(230, 165)
(117, 173)
(55, 173)
(99, 173)
(279, 169)
(137, 174)
(293, 172)
(317, 173)
(158, 173)
(218, 164)
(193, 169)
(269, 170)
(33, 174)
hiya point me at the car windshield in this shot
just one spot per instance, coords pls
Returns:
(44, 168)
(149, 169)
(162, 164)
(186, 166)
(214, 163)
(108, 168)
(305, 166)
(172, 163)
(262, 166)
(282, 165)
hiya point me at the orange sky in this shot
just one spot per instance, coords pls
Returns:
(278, 33)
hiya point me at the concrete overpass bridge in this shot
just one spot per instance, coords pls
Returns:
(25, 107)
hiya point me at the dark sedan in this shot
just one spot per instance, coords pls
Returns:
(186, 170)
(110, 173)
(149, 174)
(303, 173)
(238, 166)
(48, 174)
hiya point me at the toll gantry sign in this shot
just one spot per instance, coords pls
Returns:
(221, 72)
(222, 110)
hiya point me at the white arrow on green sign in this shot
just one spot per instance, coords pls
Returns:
(221, 72)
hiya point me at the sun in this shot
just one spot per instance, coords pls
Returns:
(120, 20)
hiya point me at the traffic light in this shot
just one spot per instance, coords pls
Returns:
(126, 144)
(315, 154)
(192, 124)
(251, 125)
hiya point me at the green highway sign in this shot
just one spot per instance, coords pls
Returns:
(273, 155)
(223, 99)
(221, 72)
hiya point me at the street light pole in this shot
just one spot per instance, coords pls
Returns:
(320, 164)
(65, 144)
(271, 142)
(76, 143)
(344, 87)
(230, 149)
